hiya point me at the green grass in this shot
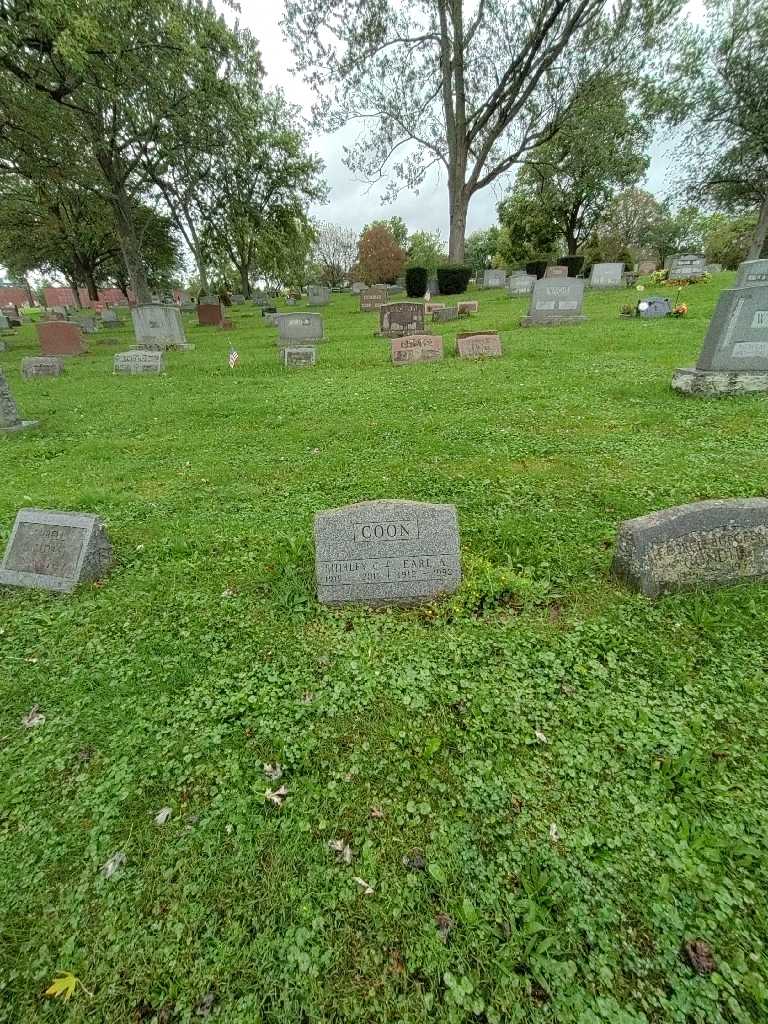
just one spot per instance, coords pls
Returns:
(204, 655)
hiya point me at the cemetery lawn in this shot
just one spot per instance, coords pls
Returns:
(550, 784)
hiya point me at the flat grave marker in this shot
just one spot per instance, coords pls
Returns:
(653, 308)
(41, 366)
(55, 551)
(479, 345)
(296, 357)
(385, 552)
(139, 361)
(416, 348)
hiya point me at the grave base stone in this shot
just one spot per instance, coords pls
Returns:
(707, 543)
(387, 553)
(55, 550)
(718, 383)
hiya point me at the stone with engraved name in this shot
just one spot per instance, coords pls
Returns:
(734, 355)
(300, 327)
(416, 348)
(41, 366)
(556, 301)
(138, 361)
(479, 345)
(55, 550)
(298, 356)
(705, 544)
(387, 553)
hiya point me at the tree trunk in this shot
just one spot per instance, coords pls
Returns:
(73, 287)
(459, 203)
(90, 283)
(245, 284)
(761, 231)
(126, 229)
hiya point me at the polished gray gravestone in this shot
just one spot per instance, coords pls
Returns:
(556, 271)
(751, 272)
(318, 295)
(705, 544)
(300, 327)
(494, 278)
(358, 287)
(399, 318)
(298, 356)
(159, 327)
(606, 275)
(685, 267)
(555, 302)
(10, 420)
(734, 356)
(41, 366)
(440, 316)
(109, 316)
(387, 553)
(138, 361)
(4, 323)
(653, 308)
(51, 550)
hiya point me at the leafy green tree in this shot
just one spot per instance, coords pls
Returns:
(482, 249)
(470, 87)
(727, 239)
(527, 230)
(722, 75)
(601, 149)
(119, 77)
(426, 249)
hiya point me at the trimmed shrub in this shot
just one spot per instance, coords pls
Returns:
(453, 280)
(416, 282)
(536, 267)
(574, 264)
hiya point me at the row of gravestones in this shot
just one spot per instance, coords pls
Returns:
(403, 553)
(683, 267)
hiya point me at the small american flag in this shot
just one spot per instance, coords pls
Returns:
(234, 358)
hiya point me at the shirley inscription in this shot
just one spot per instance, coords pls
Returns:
(387, 553)
(55, 550)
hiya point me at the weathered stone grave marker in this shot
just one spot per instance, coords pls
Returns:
(300, 327)
(318, 295)
(645, 267)
(685, 267)
(373, 299)
(109, 316)
(209, 311)
(734, 356)
(465, 308)
(416, 348)
(606, 275)
(298, 356)
(159, 327)
(479, 345)
(41, 366)
(751, 272)
(445, 314)
(387, 553)
(558, 271)
(494, 278)
(59, 338)
(521, 283)
(556, 302)
(10, 421)
(55, 550)
(707, 543)
(139, 361)
(400, 318)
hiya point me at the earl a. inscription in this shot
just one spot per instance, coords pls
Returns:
(387, 553)
(55, 550)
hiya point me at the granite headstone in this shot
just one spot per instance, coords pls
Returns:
(41, 366)
(300, 327)
(387, 553)
(138, 361)
(479, 345)
(10, 420)
(399, 318)
(556, 302)
(416, 348)
(298, 356)
(55, 550)
(606, 275)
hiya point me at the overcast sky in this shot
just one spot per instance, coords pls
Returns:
(352, 203)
